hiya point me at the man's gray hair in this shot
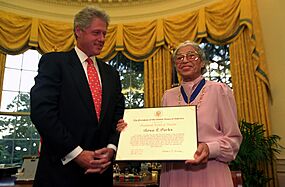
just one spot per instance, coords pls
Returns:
(84, 18)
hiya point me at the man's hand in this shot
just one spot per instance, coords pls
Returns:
(102, 160)
(84, 160)
(201, 155)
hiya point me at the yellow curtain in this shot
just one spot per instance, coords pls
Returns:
(14, 33)
(249, 77)
(157, 77)
(51, 38)
(18, 33)
(249, 89)
(137, 41)
(2, 68)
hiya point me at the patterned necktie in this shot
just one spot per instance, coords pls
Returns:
(95, 86)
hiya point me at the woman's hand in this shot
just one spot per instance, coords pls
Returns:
(121, 125)
(201, 155)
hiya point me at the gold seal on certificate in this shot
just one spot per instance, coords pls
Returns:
(161, 134)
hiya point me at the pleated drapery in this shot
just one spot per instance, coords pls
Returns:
(2, 68)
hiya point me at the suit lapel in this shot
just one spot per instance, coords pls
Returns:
(81, 83)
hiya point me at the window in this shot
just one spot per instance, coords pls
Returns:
(131, 75)
(18, 137)
(219, 66)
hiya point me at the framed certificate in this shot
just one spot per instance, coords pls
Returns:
(160, 134)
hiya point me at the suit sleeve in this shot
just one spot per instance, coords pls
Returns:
(45, 96)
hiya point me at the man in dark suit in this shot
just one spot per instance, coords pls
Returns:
(77, 145)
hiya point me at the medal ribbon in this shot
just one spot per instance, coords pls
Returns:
(194, 94)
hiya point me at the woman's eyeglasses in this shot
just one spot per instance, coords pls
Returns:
(188, 56)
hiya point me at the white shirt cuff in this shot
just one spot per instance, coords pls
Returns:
(112, 146)
(70, 156)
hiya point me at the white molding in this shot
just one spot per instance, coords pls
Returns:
(131, 11)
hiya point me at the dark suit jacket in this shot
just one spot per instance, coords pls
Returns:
(63, 112)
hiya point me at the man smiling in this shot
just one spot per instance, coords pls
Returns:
(75, 105)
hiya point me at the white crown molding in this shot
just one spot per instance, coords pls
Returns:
(120, 11)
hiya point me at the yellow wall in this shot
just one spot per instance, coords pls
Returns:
(272, 18)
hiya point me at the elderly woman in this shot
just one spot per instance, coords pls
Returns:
(219, 136)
